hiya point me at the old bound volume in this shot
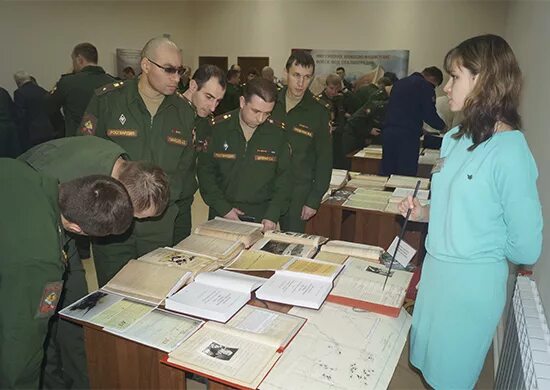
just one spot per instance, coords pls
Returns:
(246, 232)
(241, 352)
(147, 282)
(345, 248)
(361, 285)
(289, 243)
(170, 257)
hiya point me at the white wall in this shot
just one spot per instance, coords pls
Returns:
(528, 31)
(38, 36)
(271, 28)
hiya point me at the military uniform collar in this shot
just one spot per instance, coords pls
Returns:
(306, 99)
(134, 96)
(92, 69)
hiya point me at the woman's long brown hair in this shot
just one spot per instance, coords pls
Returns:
(496, 94)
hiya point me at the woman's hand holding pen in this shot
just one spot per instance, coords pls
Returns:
(419, 213)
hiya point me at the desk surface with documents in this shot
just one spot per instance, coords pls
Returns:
(337, 346)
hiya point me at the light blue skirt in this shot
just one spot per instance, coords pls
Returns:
(455, 317)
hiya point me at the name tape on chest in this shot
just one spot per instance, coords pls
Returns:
(303, 131)
(122, 133)
(226, 156)
(260, 157)
(176, 140)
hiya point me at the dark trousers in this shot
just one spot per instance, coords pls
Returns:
(400, 148)
(65, 364)
(112, 253)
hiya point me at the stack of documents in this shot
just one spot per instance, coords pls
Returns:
(368, 199)
(401, 193)
(396, 181)
(371, 151)
(372, 182)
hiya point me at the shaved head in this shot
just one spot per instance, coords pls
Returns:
(150, 50)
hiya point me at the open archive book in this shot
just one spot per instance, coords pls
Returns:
(241, 352)
(301, 282)
(289, 243)
(147, 282)
(360, 285)
(215, 295)
(221, 238)
(137, 321)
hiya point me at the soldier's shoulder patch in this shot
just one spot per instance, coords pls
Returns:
(48, 300)
(276, 123)
(322, 102)
(88, 124)
(109, 87)
(220, 118)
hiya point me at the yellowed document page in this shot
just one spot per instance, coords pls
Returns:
(212, 247)
(121, 315)
(252, 260)
(146, 281)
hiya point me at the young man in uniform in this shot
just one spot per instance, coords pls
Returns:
(151, 123)
(74, 90)
(206, 91)
(306, 122)
(411, 103)
(244, 173)
(66, 159)
(35, 209)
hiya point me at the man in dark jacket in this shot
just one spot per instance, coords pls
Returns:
(32, 114)
(9, 142)
(412, 101)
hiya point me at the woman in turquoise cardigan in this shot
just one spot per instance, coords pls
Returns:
(484, 211)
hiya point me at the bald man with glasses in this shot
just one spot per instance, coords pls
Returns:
(150, 122)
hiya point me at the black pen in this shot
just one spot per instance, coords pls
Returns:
(401, 234)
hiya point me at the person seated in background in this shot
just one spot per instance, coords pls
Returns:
(33, 119)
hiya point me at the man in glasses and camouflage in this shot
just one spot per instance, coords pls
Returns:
(151, 123)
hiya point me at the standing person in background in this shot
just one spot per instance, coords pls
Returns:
(306, 121)
(412, 102)
(340, 71)
(33, 120)
(74, 90)
(9, 141)
(484, 210)
(230, 100)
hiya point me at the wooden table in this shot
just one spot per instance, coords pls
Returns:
(371, 165)
(339, 222)
(118, 363)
